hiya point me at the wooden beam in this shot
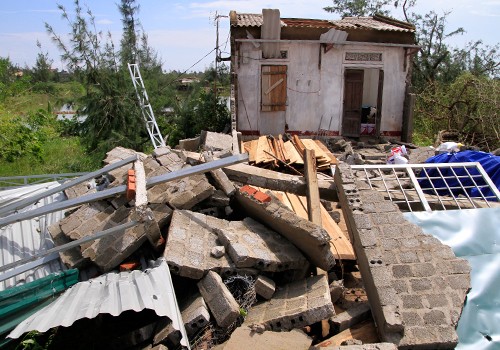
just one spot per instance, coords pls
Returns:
(365, 331)
(313, 202)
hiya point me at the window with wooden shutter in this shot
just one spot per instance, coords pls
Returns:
(273, 88)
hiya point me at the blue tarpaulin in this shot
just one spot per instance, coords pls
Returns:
(479, 189)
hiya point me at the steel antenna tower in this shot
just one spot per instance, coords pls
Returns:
(146, 110)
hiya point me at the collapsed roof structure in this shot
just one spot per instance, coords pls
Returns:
(231, 252)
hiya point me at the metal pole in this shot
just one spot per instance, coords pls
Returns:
(33, 199)
(197, 169)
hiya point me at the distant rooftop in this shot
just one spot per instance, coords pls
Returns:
(377, 22)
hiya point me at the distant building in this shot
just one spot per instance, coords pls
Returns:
(309, 76)
(186, 83)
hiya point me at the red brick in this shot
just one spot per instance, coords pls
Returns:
(248, 190)
(261, 197)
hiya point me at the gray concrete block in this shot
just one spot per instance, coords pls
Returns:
(218, 298)
(336, 290)
(251, 244)
(294, 305)
(195, 316)
(182, 194)
(350, 317)
(245, 338)
(212, 141)
(190, 240)
(311, 239)
(265, 287)
(412, 300)
(72, 258)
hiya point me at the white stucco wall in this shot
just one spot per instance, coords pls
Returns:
(315, 96)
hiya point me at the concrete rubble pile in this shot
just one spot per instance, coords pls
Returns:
(248, 272)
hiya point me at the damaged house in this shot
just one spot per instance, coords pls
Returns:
(305, 76)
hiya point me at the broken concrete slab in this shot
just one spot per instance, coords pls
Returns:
(72, 258)
(108, 251)
(79, 190)
(218, 298)
(336, 290)
(350, 317)
(308, 237)
(189, 243)
(192, 144)
(182, 194)
(273, 180)
(265, 287)
(195, 316)
(251, 244)
(245, 338)
(212, 141)
(409, 276)
(220, 177)
(294, 305)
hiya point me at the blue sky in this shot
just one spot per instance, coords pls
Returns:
(182, 32)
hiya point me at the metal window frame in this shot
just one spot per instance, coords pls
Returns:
(423, 198)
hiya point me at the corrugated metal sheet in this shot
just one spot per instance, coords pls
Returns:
(377, 22)
(29, 237)
(112, 293)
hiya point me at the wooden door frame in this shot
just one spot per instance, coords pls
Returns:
(342, 115)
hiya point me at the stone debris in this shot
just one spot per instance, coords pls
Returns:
(218, 298)
(190, 240)
(294, 305)
(195, 316)
(265, 287)
(251, 244)
(311, 239)
(244, 263)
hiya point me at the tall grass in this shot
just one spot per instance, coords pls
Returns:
(60, 155)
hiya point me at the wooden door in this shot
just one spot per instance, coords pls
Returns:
(378, 119)
(353, 99)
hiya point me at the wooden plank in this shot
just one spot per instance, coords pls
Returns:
(340, 245)
(298, 144)
(261, 156)
(333, 159)
(298, 207)
(313, 203)
(364, 331)
(286, 157)
(292, 153)
(253, 151)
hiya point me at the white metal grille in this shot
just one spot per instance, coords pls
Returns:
(416, 187)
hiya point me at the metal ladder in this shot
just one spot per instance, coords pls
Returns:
(146, 110)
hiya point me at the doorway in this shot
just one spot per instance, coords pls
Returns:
(362, 101)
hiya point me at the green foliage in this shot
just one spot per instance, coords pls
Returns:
(469, 104)
(25, 135)
(355, 8)
(35, 340)
(202, 110)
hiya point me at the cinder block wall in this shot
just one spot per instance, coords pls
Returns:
(415, 285)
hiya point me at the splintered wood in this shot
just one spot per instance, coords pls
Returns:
(275, 152)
